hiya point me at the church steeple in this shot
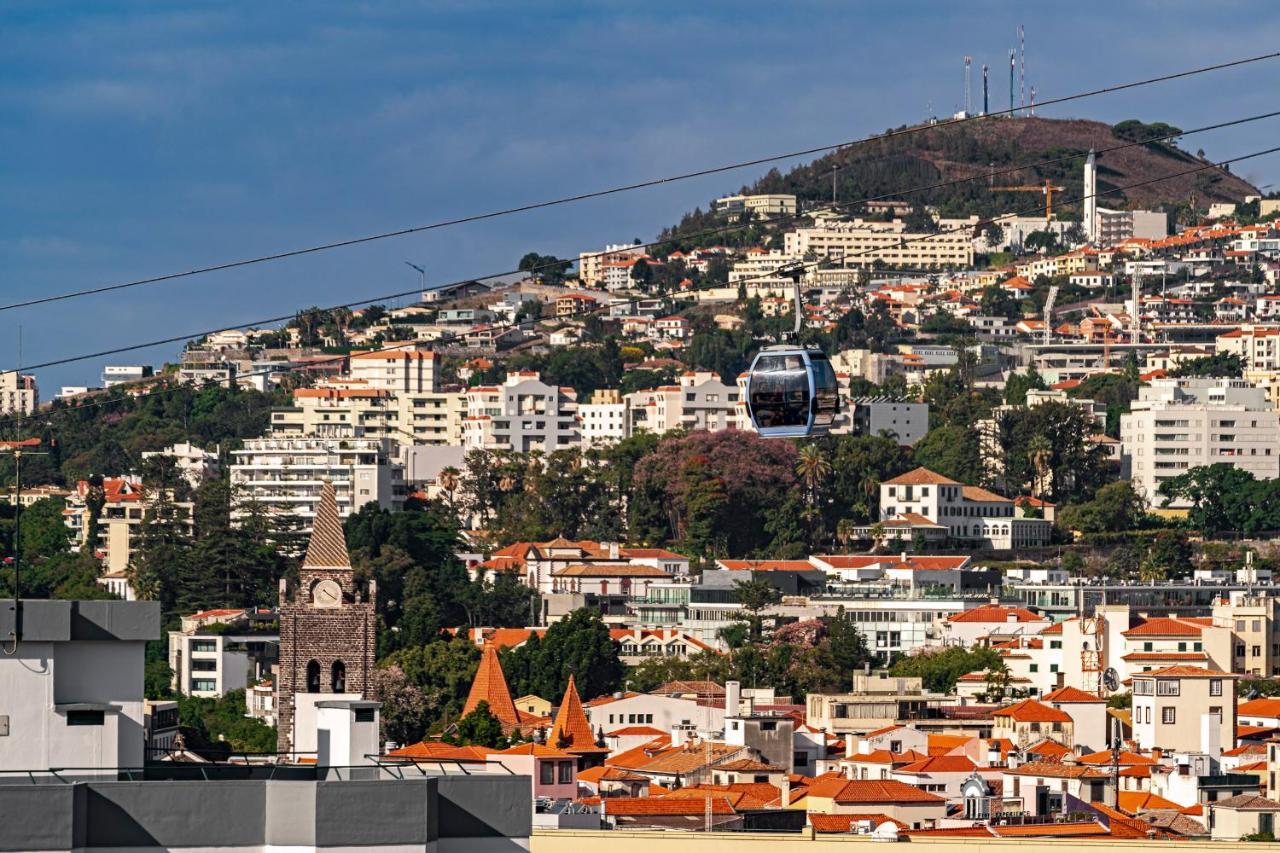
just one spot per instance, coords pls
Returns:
(328, 546)
(571, 731)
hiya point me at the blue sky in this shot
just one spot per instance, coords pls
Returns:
(150, 137)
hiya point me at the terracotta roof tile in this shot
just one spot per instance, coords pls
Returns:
(1031, 711)
(920, 477)
(490, 686)
(571, 730)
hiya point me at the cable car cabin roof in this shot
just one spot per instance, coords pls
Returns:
(792, 392)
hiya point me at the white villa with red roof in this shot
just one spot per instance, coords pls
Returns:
(925, 503)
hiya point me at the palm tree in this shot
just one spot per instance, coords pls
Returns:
(449, 478)
(812, 468)
(844, 531)
(1039, 450)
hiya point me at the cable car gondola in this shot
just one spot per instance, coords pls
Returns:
(791, 389)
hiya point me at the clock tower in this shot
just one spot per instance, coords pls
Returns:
(328, 631)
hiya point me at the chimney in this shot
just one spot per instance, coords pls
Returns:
(785, 785)
(1211, 735)
(732, 698)
(849, 748)
(613, 551)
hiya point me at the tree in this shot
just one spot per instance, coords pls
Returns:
(1115, 507)
(755, 595)
(577, 645)
(951, 451)
(406, 708)
(546, 268)
(1016, 388)
(813, 468)
(941, 669)
(44, 530)
(1223, 364)
(480, 728)
(994, 234)
(442, 670)
(998, 302)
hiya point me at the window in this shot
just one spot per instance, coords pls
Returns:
(364, 715)
(203, 646)
(199, 665)
(799, 759)
(546, 772)
(1168, 715)
(84, 718)
(338, 677)
(1215, 686)
(1167, 687)
(566, 772)
(1035, 667)
(768, 726)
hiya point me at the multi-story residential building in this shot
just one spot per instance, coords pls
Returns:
(1185, 709)
(522, 414)
(604, 419)
(591, 265)
(699, 402)
(757, 272)
(125, 503)
(904, 421)
(1179, 424)
(1245, 635)
(282, 477)
(19, 394)
(193, 463)
(863, 244)
(424, 418)
(767, 206)
(925, 503)
(217, 651)
(200, 366)
(1117, 226)
(119, 374)
(1030, 721)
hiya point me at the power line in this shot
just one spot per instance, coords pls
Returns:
(507, 327)
(417, 229)
(390, 296)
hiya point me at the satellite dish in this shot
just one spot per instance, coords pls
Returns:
(1110, 679)
(887, 831)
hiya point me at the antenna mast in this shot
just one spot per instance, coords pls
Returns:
(985, 107)
(968, 101)
(1022, 72)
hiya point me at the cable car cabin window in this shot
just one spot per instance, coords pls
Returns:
(780, 391)
(826, 390)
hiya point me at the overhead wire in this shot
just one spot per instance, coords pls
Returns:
(387, 297)
(508, 211)
(401, 346)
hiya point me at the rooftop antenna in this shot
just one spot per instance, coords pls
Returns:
(1012, 65)
(985, 107)
(968, 101)
(1033, 101)
(1022, 69)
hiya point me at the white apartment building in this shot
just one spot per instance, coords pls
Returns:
(861, 244)
(522, 414)
(119, 521)
(19, 394)
(591, 265)
(604, 420)
(193, 463)
(1185, 709)
(422, 418)
(758, 272)
(209, 662)
(699, 402)
(1116, 226)
(118, 374)
(1179, 424)
(283, 476)
(765, 206)
(71, 692)
(927, 503)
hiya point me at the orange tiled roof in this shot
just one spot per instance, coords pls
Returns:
(996, 613)
(637, 806)
(1162, 626)
(1031, 711)
(844, 822)
(940, 764)
(1071, 695)
(920, 477)
(1266, 706)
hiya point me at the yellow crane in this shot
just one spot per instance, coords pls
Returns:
(1047, 190)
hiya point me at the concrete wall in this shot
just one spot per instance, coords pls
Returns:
(461, 814)
(583, 841)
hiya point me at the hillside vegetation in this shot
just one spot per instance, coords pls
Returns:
(889, 167)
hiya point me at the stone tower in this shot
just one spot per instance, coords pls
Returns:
(328, 631)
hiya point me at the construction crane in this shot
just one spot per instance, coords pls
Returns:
(1048, 312)
(1047, 190)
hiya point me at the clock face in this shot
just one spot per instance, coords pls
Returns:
(327, 593)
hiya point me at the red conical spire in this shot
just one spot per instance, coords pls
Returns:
(572, 730)
(490, 685)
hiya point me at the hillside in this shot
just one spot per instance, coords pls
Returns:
(889, 167)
